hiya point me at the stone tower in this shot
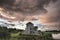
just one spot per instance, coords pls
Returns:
(30, 29)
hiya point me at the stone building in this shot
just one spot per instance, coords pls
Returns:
(31, 29)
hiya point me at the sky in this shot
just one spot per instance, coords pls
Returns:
(17, 24)
(43, 11)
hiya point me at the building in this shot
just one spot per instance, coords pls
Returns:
(31, 29)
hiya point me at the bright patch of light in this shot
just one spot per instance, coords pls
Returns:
(5, 15)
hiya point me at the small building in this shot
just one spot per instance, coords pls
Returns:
(31, 29)
(56, 36)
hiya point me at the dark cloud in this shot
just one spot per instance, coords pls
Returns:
(25, 10)
(54, 12)
(31, 7)
(26, 7)
(52, 18)
(10, 2)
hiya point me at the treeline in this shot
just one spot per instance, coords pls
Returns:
(16, 34)
(6, 33)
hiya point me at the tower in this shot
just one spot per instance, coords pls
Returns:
(30, 29)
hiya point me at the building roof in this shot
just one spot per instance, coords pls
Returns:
(29, 23)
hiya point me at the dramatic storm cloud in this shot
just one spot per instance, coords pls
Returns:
(23, 8)
(53, 14)
(44, 11)
(52, 17)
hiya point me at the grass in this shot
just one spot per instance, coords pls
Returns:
(15, 34)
